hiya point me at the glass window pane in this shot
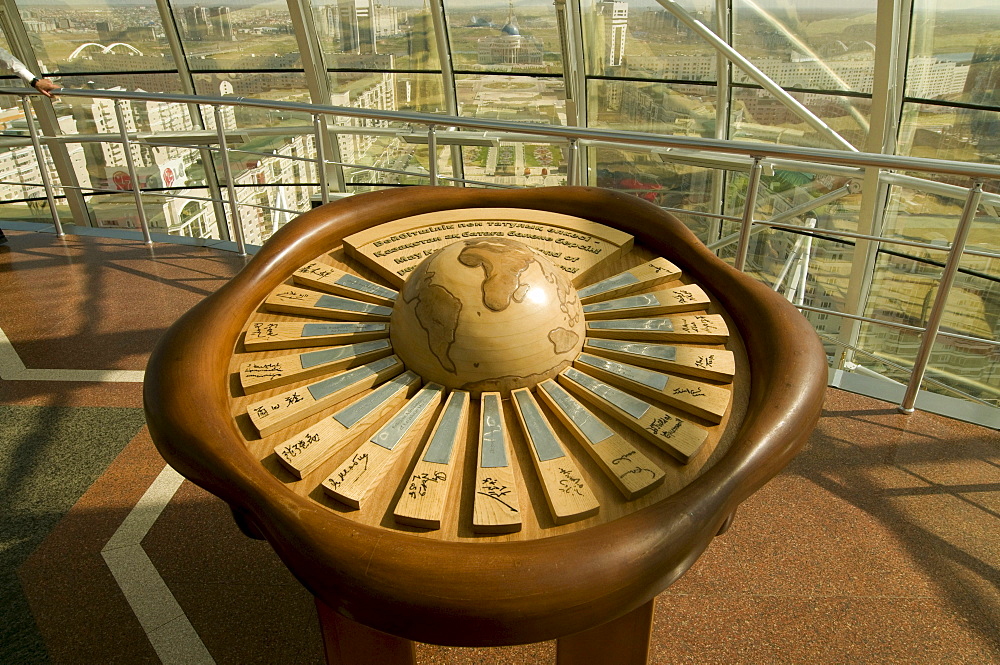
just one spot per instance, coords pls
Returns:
(954, 51)
(799, 44)
(655, 178)
(522, 37)
(959, 367)
(405, 163)
(252, 36)
(104, 165)
(512, 98)
(290, 86)
(147, 82)
(420, 92)
(265, 208)
(968, 366)
(101, 37)
(904, 291)
(625, 39)
(516, 164)
(659, 108)
(364, 34)
(918, 215)
(184, 213)
(757, 115)
(947, 132)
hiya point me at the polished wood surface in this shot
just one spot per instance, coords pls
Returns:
(576, 244)
(633, 473)
(640, 278)
(497, 506)
(452, 585)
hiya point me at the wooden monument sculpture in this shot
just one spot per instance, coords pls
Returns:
(473, 417)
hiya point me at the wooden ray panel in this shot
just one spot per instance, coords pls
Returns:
(496, 508)
(426, 494)
(703, 328)
(278, 411)
(701, 399)
(718, 364)
(640, 278)
(632, 473)
(324, 277)
(678, 437)
(293, 300)
(575, 245)
(268, 373)
(567, 493)
(353, 480)
(312, 446)
(687, 298)
(274, 335)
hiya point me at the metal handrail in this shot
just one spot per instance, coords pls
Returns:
(762, 150)
(759, 155)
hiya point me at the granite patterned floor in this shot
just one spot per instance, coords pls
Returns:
(878, 544)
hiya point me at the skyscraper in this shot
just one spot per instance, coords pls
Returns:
(357, 29)
(615, 26)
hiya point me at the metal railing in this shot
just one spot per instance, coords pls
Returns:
(446, 130)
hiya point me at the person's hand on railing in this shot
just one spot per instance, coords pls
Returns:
(45, 86)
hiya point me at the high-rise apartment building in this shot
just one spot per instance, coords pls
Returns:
(615, 16)
(222, 27)
(357, 26)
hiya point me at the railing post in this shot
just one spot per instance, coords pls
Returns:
(572, 159)
(318, 127)
(432, 169)
(234, 209)
(42, 170)
(941, 298)
(748, 207)
(130, 164)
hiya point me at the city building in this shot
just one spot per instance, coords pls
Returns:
(509, 46)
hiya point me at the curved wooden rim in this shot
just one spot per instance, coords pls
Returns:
(482, 593)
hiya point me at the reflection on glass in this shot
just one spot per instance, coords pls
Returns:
(369, 35)
(802, 44)
(182, 213)
(659, 108)
(20, 175)
(655, 178)
(759, 116)
(104, 165)
(953, 52)
(258, 160)
(98, 37)
(516, 164)
(925, 217)
(903, 292)
(646, 41)
(144, 81)
(512, 98)
(947, 132)
(420, 92)
(404, 163)
(289, 86)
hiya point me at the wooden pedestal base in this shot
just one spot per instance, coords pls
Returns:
(624, 641)
(348, 642)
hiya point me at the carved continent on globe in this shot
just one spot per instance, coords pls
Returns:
(487, 314)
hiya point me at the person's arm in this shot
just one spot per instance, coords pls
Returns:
(15, 66)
